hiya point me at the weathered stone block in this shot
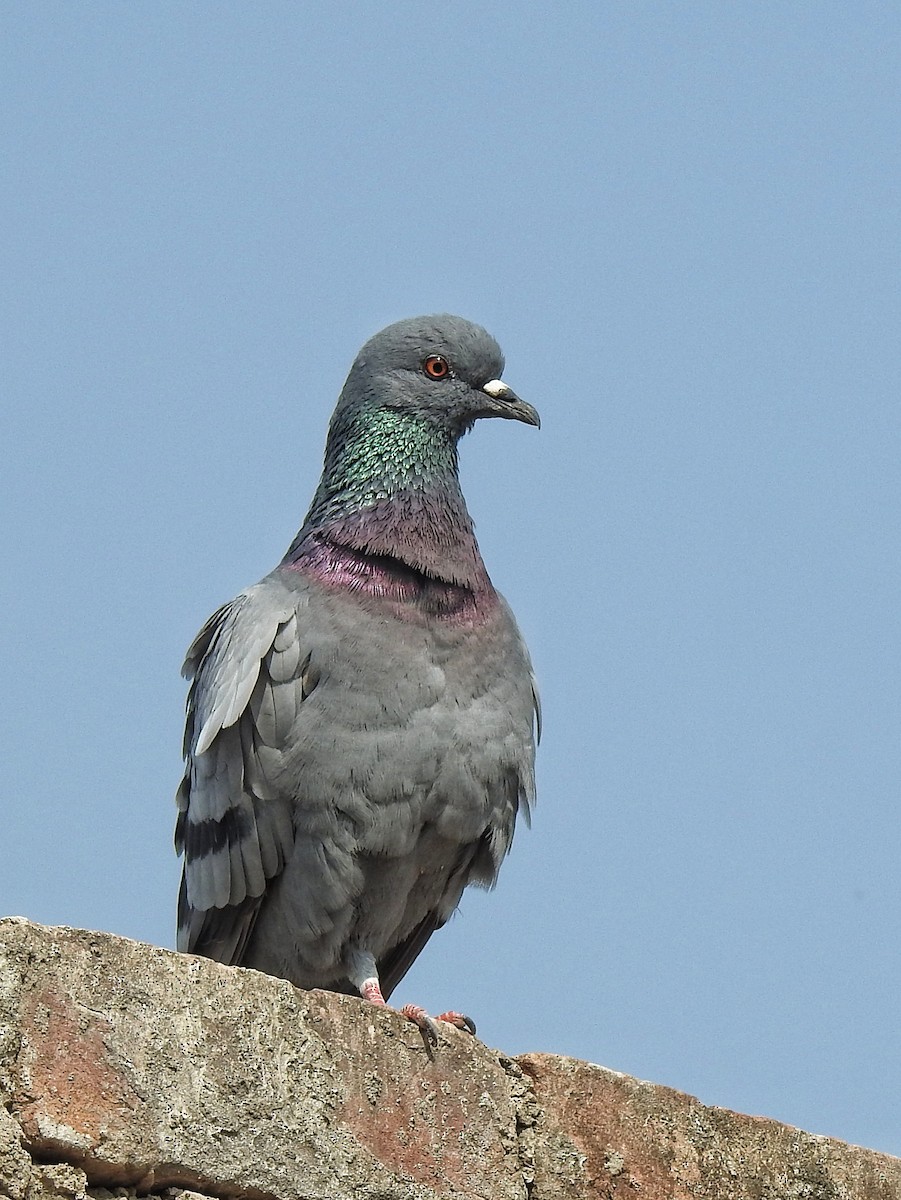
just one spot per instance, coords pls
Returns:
(128, 1070)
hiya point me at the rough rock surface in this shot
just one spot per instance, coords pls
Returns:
(129, 1070)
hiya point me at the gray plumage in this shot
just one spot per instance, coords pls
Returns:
(359, 735)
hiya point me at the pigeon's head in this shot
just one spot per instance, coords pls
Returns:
(441, 369)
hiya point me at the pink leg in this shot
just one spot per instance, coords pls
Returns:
(371, 991)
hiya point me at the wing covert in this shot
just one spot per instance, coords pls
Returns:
(234, 827)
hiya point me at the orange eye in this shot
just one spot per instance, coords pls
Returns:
(436, 367)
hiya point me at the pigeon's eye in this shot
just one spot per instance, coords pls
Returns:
(436, 367)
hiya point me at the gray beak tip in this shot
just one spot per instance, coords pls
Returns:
(506, 403)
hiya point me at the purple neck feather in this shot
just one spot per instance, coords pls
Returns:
(412, 547)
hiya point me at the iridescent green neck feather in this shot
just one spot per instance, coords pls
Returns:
(390, 487)
(379, 454)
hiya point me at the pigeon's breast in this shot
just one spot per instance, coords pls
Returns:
(407, 714)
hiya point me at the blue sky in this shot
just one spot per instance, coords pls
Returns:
(682, 223)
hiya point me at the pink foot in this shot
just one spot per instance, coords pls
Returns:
(429, 1026)
(371, 991)
(459, 1019)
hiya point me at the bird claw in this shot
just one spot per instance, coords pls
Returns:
(429, 1025)
(460, 1020)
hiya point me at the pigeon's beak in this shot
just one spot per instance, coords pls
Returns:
(504, 402)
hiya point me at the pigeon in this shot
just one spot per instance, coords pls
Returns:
(361, 724)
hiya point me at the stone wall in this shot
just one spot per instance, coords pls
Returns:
(129, 1070)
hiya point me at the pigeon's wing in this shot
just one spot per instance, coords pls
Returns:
(250, 677)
